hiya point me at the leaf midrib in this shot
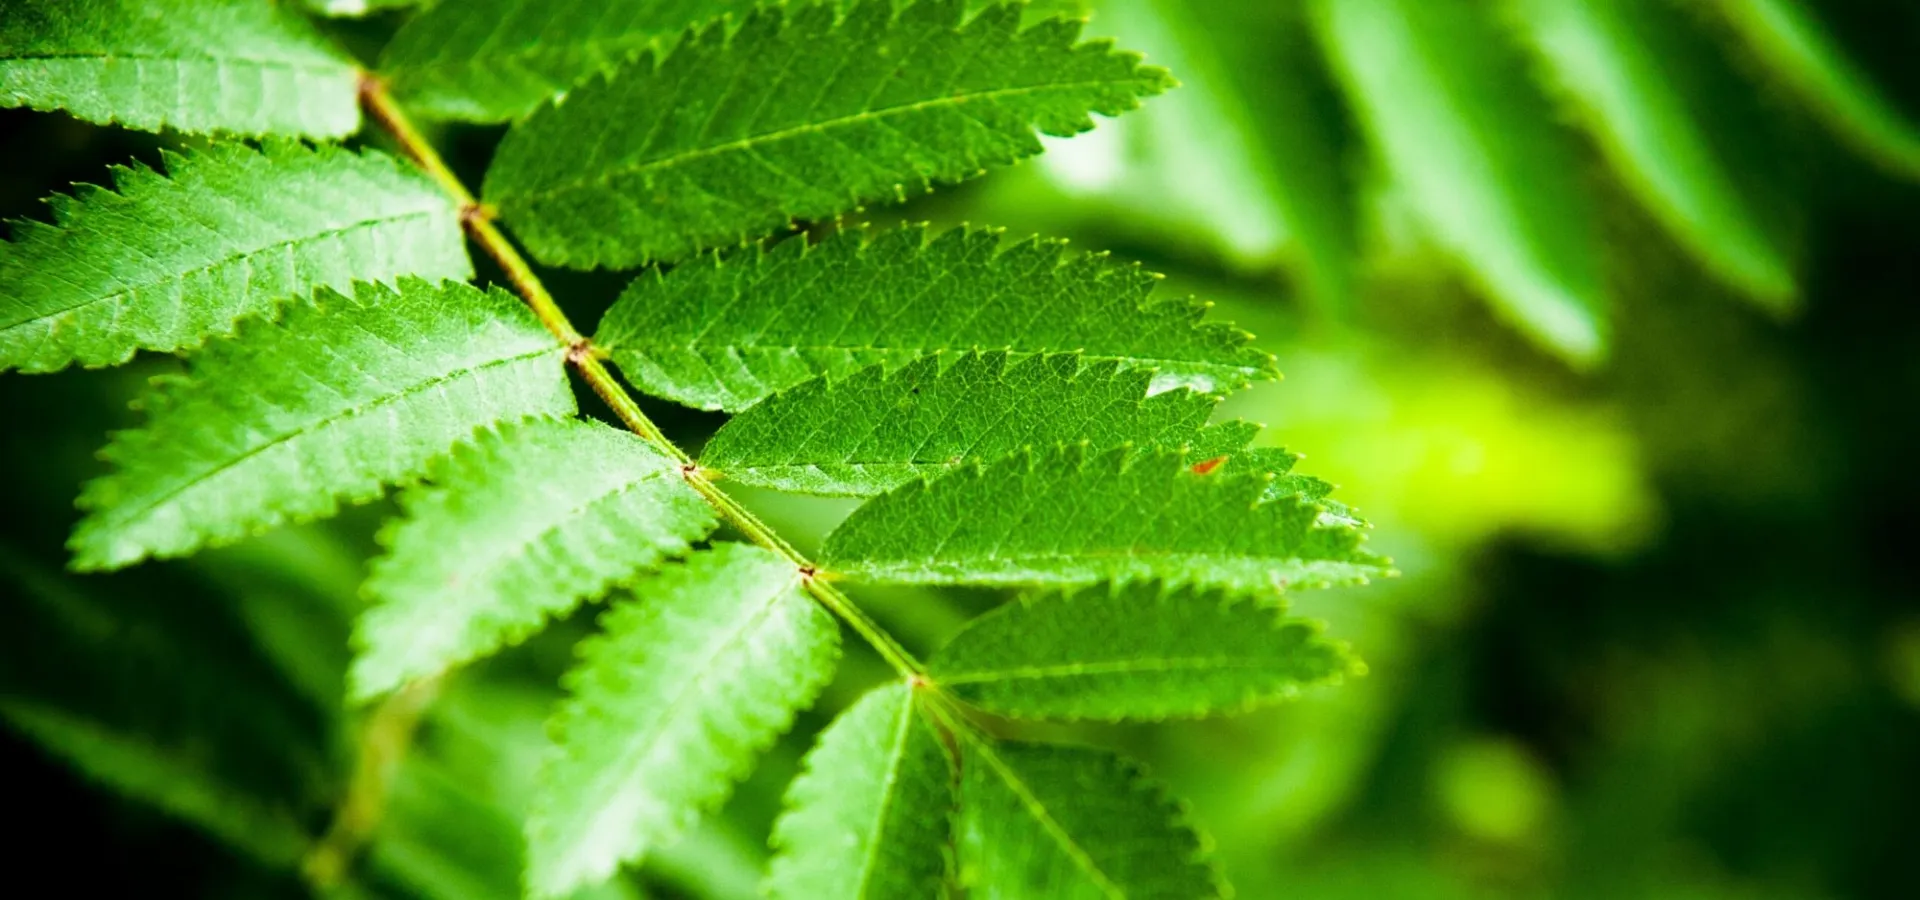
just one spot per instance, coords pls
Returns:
(135, 513)
(331, 67)
(183, 275)
(1116, 667)
(1051, 826)
(609, 175)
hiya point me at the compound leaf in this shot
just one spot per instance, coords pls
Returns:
(799, 114)
(723, 332)
(235, 66)
(494, 60)
(867, 819)
(512, 529)
(1046, 822)
(284, 421)
(168, 260)
(875, 430)
(670, 706)
(1136, 651)
(1065, 517)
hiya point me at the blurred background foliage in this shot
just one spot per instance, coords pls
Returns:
(1604, 311)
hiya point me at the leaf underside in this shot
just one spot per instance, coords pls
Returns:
(285, 421)
(494, 60)
(725, 331)
(233, 66)
(669, 706)
(876, 430)
(1134, 652)
(166, 261)
(1043, 822)
(798, 114)
(513, 529)
(1064, 517)
(867, 818)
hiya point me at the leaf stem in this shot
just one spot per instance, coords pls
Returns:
(581, 354)
(382, 745)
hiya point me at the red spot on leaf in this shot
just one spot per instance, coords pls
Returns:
(1206, 467)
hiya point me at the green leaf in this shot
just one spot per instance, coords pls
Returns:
(172, 778)
(875, 430)
(1041, 822)
(494, 60)
(867, 819)
(723, 332)
(1136, 651)
(1485, 166)
(796, 115)
(1788, 35)
(234, 66)
(1631, 70)
(168, 260)
(284, 421)
(517, 527)
(1066, 517)
(670, 706)
(354, 8)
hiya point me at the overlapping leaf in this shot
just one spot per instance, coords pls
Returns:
(723, 332)
(493, 60)
(234, 66)
(285, 420)
(511, 530)
(799, 114)
(1072, 823)
(876, 430)
(867, 820)
(1483, 164)
(669, 707)
(1065, 517)
(1136, 651)
(165, 261)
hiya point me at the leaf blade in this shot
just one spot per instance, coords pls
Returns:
(1630, 68)
(516, 528)
(877, 787)
(1134, 652)
(725, 331)
(285, 420)
(1065, 518)
(495, 60)
(1485, 167)
(147, 65)
(227, 232)
(1073, 823)
(730, 626)
(795, 115)
(930, 417)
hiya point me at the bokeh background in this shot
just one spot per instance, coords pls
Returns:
(1606, 313)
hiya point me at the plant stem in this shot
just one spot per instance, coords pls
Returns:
(478, 221)
(383, 743)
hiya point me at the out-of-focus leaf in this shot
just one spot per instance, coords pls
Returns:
(1631, 68)
(1459, 124)
(1245, 154)
(1788, 34)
